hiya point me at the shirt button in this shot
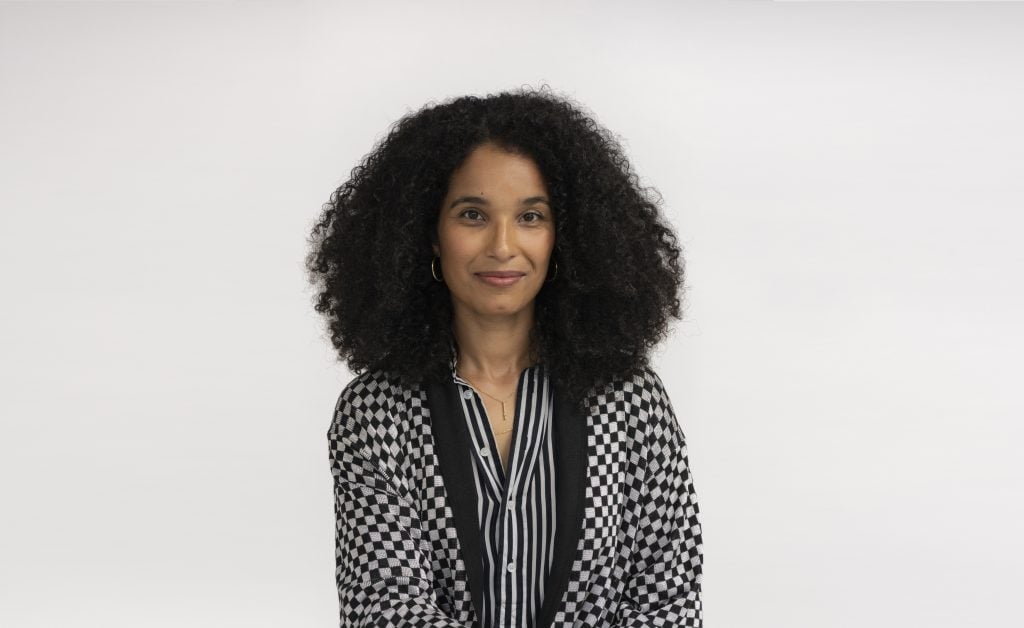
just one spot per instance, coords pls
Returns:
(512, 566)
(467, 394)
(510, 505)
(484, 452)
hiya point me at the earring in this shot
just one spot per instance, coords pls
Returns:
(553, 276)
(432, 272)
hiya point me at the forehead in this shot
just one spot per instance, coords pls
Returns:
(489, 169)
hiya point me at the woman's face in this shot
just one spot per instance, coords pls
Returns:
(495, 216)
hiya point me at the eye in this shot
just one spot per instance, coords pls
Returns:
(466, 213)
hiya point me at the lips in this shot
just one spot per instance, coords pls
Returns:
(502, 273)
(500, 278)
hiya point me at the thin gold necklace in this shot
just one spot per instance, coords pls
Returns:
(504, 418)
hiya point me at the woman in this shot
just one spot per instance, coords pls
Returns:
(506, 456)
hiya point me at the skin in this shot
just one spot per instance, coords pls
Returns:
(505, 228)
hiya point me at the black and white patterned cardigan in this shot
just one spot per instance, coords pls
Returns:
(628, 540)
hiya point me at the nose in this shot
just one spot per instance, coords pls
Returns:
(503, 239)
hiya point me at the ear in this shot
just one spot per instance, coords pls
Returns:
(437, 249)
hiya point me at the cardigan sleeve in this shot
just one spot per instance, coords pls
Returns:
(383, 573)
(664, 585)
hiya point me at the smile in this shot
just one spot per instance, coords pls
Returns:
(494, 280)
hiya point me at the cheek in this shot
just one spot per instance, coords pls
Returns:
(545, 247)
(458, 253)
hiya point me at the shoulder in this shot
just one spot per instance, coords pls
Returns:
(642, 391)
(364, 391)
(365, 435)
(367, 405)
(650, 390)
(644, 395)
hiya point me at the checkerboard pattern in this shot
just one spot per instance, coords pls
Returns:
(639, 557)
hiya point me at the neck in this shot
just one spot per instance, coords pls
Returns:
(493, 353)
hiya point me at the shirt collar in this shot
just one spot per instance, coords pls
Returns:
(453, 362)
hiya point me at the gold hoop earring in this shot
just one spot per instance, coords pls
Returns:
(553, 276)
(436, 278)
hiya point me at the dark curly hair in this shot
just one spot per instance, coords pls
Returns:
(619, 269)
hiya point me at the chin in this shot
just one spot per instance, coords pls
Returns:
(501, 309)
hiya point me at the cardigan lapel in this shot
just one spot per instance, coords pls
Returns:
(453, 449)
(451, 444)
(570, 433)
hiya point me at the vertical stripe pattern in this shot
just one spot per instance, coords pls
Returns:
(516, 514)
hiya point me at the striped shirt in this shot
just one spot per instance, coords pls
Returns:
(516, 514)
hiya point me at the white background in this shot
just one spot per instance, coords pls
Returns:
(846, 179)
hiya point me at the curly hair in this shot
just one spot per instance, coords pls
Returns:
(619, 269)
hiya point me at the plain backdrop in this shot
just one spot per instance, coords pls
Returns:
(846, 180)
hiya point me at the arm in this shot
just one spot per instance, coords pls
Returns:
(664, 586)
(383, 576)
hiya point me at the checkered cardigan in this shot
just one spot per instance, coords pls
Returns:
(407, 544)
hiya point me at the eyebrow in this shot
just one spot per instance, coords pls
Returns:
(532, 200)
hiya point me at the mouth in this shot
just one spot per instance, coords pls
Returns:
(504, 278)
(503, 273)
